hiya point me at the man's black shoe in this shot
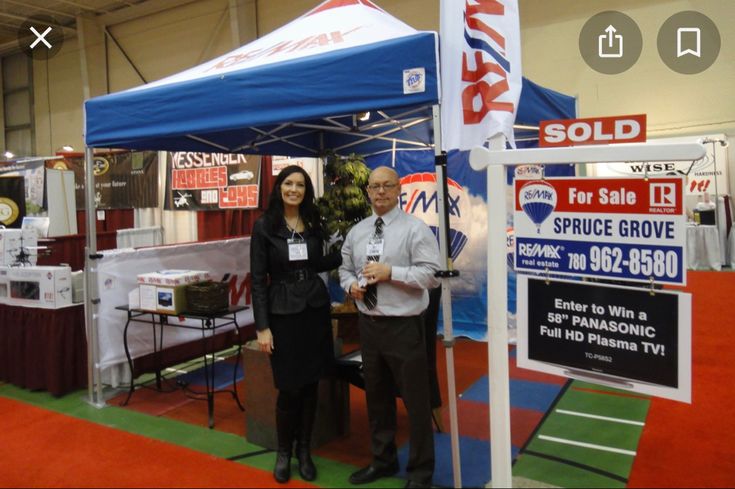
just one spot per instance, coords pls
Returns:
(370, 474)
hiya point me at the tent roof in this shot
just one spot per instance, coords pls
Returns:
(293, 92)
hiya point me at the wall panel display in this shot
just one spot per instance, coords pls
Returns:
(32, 172)
(121, 180)
(212, 181)
(12, 205)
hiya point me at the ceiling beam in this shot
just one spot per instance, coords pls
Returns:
(38, 7)
(142, 9)
(78, 5)
(23, 19)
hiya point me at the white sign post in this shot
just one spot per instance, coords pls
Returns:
(481, 158)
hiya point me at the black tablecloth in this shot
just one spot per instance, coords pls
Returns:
(43, 349)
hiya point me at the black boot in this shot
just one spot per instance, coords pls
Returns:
(285, 431)
(307, 470)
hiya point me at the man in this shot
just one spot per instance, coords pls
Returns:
(388, 262)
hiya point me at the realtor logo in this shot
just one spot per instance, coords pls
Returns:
(663, 195)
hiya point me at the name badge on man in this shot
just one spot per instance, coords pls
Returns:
(297, 250)
(375, 247)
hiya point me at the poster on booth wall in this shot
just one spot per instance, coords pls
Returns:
(467, 204)
(310, 165)
(12, 202)
(33, 173)
(626, 337)
(615, 228)
(121, 180)
(212, 181)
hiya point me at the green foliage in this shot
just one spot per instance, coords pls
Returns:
(345, 201)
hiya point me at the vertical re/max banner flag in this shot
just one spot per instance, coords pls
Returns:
(480, 71)
(12, 201)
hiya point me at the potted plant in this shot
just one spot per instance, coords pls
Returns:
(344, 204)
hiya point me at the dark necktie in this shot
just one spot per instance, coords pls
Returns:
(371, 293)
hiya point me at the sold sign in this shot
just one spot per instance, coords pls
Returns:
(596, 130)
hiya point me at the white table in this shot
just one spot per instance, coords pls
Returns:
(703, 248)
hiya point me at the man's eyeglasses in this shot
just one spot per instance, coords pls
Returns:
(375, 187)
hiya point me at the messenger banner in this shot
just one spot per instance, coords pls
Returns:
(614, 228)
(212, 181)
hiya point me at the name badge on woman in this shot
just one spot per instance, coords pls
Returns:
(374, 247)
(297, 250)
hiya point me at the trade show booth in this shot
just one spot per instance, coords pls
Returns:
(381, 94)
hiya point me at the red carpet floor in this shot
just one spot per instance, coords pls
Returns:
(77, 453)
(693, 445)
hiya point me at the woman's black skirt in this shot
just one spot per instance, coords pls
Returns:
(303, 348)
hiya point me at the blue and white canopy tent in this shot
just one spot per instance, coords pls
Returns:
(297, 91)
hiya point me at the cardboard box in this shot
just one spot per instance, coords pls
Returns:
(47, 287)
(332, 412)
(163, 299)
(77, 286)
(4, 286)
(173, 277)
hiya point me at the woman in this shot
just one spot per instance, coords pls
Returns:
(291, 309)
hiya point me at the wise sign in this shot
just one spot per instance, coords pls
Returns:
(615, 228)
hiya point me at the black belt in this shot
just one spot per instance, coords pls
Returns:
(377, 319)
(298, 275)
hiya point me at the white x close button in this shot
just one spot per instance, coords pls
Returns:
(40, 37)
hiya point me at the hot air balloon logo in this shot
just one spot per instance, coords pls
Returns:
(419, 197)
(538, 200)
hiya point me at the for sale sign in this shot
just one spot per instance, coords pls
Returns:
(627, 337)
(621, 228)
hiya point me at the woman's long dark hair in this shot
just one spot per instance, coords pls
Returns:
(308, 210)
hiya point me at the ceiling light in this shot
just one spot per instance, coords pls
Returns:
(363, 116)
(8, 154)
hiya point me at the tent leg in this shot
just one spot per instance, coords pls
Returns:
(91, 298)
(440, 161)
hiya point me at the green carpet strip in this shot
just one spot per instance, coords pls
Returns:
(577, 465)
(587, 439)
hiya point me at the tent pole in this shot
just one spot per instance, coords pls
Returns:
(440, 159)
(91, 299)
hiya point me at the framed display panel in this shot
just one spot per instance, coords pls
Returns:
(62, 207)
